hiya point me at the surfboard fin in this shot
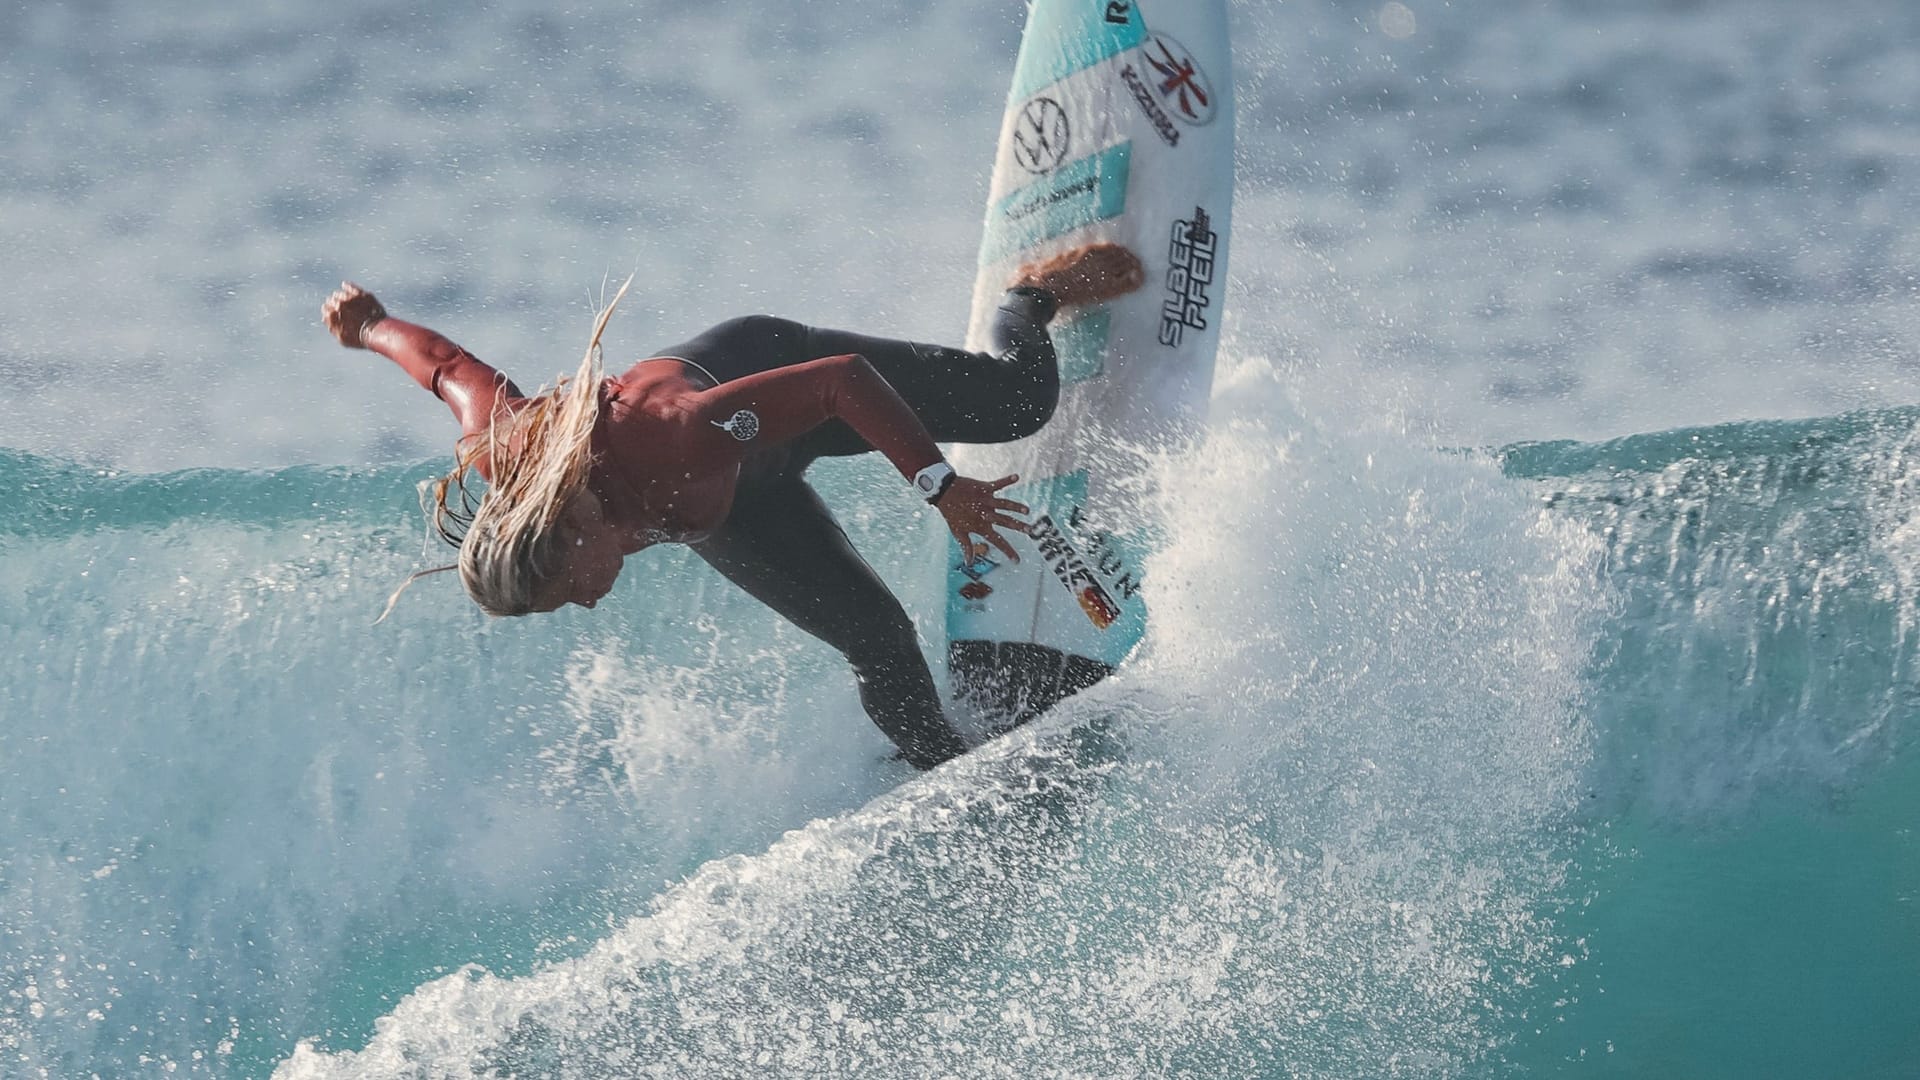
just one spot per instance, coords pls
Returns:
(1010, 682)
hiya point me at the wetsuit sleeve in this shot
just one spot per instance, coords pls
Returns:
(790, 401)
(473, 390)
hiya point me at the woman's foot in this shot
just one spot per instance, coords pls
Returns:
(1089, 274)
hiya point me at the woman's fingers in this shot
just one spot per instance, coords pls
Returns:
(1002, 523)
(1001, 542)
(973, 510)
(994, 487)
(990, 534)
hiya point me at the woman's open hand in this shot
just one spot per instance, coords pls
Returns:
(350, 310)
(974, 508)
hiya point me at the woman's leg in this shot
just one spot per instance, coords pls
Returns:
(783, 547)
(746, 345)
(985, 397)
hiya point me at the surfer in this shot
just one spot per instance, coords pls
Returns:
(706, 444)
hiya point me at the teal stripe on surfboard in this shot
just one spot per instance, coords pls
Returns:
(1065, 38)
(1081, 344)
(1091, 189)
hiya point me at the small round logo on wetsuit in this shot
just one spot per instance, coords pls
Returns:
(742, 425)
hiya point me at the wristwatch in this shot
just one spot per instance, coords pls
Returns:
(934, 480)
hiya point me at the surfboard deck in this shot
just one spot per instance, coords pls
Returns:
(1118, 128)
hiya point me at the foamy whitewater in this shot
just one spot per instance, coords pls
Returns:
(1531, 683)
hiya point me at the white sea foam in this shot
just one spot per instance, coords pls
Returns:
(1319, 824)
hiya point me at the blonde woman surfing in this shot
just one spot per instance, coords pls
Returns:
(706, 444)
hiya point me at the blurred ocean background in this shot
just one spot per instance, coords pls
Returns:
(1532, 684)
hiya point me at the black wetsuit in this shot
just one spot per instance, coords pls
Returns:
(782, 545)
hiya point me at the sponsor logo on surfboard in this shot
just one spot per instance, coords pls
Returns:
(1119, 12)
(1190, 261)
(976, 568)
(1100, 608)
(1099, 605)
(1046, 200)
(1171, 86)
(1107, 557)
(1042, 136)
(1081, 192)
(1162, 123)
(1179, 81)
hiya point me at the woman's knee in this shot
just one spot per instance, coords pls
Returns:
(1028, 358)
(1036, 404)
(1019, 391)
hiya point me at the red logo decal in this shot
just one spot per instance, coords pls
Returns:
(1182, 85)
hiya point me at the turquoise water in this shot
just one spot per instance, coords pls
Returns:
(1575, 759)
(1786, 945)
(1759, 913)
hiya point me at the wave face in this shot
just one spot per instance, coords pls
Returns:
(1324, 821)
(1751, 869)
(1519, 219)
(1433, 763)
(1765, 575)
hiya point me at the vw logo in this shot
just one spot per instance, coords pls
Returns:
(1041, 136)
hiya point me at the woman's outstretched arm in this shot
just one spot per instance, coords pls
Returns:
(790, 401)
(786, 402)
(472, 389)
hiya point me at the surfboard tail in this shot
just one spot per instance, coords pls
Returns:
(1010, 682)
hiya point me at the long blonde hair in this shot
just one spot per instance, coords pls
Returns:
(538, 460)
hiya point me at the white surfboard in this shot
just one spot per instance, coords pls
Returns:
(1119, 127)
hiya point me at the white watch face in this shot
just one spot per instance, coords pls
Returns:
(927, 483)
